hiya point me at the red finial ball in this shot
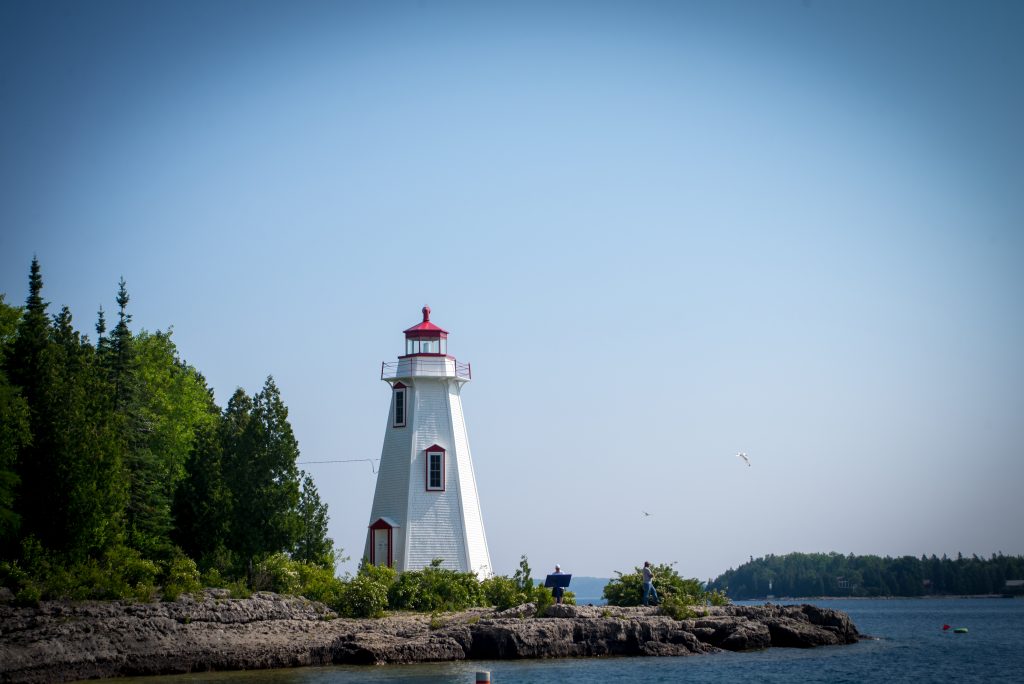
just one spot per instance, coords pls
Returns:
(426, 314)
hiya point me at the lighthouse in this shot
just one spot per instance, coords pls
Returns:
(426, 504)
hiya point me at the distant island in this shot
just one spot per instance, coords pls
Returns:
(833, 574)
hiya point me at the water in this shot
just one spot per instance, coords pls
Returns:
(910, 647)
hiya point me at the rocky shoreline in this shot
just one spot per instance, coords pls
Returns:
(65, 641)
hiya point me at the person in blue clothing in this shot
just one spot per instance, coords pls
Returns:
(649, 589)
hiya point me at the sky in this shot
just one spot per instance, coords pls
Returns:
(662, 233)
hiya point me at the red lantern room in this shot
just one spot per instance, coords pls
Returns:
(425, 338)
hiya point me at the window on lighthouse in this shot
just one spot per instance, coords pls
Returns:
(435, 471)
(399, 406)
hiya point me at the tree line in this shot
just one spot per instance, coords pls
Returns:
(833, 574)
(119, 472)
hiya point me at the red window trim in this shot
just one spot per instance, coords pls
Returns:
(426, 482)
(399, 387)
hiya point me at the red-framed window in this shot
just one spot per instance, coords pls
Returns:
(435, 469)
(400, 404)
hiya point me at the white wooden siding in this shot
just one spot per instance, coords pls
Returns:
(431, 524)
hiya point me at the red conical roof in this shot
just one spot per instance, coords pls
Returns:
(425, 327)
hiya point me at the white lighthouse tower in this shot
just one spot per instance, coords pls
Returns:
(426, 504)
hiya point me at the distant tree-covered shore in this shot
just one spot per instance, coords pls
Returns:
(833, 574)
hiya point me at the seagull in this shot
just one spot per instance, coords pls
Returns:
(744, 457)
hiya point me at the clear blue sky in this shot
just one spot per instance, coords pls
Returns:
(662, 233)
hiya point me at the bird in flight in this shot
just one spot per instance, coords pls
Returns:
(646, 514)
(744, 457)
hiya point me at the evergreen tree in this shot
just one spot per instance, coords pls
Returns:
(89, 493)
(262, 476)
(121, 363)
(30, 367)
(202, 501)
(313, 544)
(14, 433)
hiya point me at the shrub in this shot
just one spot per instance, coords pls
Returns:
(627, 590)
(364, 596)
(29, 595)
(213, 579)
(277, 573)
(12, 575)
(239, 589)
(503, 592)
(132, 576)
(181, 576)
(678, 607)
(718, 598)
(318, 583)
(435, 589)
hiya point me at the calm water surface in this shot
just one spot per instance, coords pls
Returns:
(910, 647)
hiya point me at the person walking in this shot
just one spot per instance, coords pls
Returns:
(649, 589)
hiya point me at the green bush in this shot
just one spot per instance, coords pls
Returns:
(212, 578)
(503, 592)
(120, 574)
(181, 576)
(29, 595)
(12, 576)
(366, 594)
(318, 583)
(239, 589)
(435, 589)
(678, 607)
(277, 573)
(542, 598)
(627, 590)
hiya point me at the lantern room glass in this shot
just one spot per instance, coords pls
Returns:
(426, 345)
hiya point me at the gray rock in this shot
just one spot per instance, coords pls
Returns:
(63, 641)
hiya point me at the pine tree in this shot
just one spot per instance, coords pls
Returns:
(14, 434)
(30, 367)
(263, 477)
(313, 544)
(202, 500)
(89, 493)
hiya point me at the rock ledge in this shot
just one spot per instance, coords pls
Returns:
(64, 641)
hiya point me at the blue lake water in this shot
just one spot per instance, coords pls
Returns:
(910, 647)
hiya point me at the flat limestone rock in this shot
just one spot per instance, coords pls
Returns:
(65, 641)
